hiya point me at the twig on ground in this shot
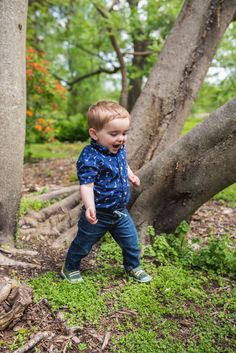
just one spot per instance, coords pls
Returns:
(106, 340)
(35, 340)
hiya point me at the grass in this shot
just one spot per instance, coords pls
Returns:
(54, 150)
(27, 204)
(182, 310)
(227, 196)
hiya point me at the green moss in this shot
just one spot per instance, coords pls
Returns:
(28, 204)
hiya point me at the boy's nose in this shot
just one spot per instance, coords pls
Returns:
(122, 138)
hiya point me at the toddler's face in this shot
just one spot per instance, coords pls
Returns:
(113, 135)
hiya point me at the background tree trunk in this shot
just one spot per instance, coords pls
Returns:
(187, 174)
(12, 112)
(138, 61)
(166, 100)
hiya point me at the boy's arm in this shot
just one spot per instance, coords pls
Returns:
(134, 179)
(87, 195)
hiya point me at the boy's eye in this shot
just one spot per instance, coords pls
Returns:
(113, 134)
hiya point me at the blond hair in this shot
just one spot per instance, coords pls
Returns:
(102, 112)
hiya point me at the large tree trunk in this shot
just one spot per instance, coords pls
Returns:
(167, 98)
(187, 174)
(12, 112)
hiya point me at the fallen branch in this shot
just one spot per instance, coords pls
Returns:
(106, 340)
(34, 341)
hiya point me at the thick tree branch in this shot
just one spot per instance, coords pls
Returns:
(176, 78)
(184, 176)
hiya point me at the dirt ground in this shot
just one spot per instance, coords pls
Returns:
(211, 218)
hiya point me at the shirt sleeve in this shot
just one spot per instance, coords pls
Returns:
(87, 167)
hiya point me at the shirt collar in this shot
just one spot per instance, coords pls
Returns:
(103, 149)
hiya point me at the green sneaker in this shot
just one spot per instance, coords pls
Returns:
(140, 275)
(73, 276)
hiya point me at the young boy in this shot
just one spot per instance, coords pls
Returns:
(104, 177)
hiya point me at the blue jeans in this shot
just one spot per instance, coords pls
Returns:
(121, 227)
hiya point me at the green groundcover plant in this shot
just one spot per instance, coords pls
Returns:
(189, 307)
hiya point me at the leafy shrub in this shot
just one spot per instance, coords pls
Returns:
(46, 99)
(218, 255)
(72, 129)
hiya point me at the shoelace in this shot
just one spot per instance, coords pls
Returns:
(139, 272)
(74, 273)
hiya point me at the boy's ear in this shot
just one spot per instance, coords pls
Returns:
(93, 133)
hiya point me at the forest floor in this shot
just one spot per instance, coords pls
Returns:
(102, 329)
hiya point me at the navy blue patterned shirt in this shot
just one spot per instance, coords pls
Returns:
(109, 173)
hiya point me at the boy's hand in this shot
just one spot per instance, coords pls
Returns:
(91, 215)
(134, 179)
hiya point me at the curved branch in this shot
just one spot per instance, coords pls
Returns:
(187, 174)
(83, 77)
(120, 58)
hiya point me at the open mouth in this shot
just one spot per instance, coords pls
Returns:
(116, 147)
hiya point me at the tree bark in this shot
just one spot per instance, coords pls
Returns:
(12, 112)
(187, 174)
(166, 100)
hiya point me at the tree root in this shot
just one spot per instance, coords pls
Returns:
(60, 207)
(5, 261)
(65, 239)
(14, 251)
(57, 222)
(57, 193)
